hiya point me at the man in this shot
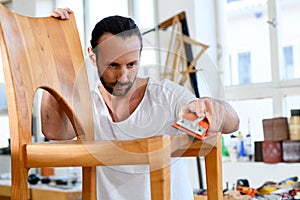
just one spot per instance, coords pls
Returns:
(130, 107)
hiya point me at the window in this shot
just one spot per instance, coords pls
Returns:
(97, 10)
(244, 66)
(88, 13)
(262, 53)
(288, 62)
(290, 103)
(247, 42)
(144, 17)
(3, 102)
(3, 111)
(251, 113)
(143, 14)
(288, 15)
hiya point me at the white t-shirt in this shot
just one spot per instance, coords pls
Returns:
(158, 109)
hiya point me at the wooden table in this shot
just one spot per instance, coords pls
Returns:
(43, 191)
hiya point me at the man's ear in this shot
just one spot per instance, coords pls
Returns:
(92, 56)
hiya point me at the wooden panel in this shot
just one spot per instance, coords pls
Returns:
(5, 190)
(57, 195)
(200, 197)
(213, 166)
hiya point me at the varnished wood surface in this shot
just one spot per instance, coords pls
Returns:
(95, 153)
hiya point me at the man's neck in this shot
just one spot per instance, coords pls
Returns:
(121, 107)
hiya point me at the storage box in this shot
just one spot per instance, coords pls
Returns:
(258, 154)
(291, 150)
(276, 129)
(272, 151)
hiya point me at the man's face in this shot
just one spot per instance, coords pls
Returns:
(118, 62)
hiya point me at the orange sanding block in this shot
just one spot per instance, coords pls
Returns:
(193, 125)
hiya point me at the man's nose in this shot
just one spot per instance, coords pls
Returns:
(122, 74)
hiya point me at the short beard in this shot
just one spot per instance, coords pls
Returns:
(109, 87)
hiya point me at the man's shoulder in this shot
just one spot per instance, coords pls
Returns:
(166, 85)
(163, 83)
(169, 91)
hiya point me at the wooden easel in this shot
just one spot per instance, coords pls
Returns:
(178, 67)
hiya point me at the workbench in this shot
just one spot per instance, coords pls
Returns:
(43, 191)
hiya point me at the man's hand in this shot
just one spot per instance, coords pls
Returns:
(220, 115)
(61, 13)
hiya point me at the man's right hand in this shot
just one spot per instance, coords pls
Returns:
(61, 13)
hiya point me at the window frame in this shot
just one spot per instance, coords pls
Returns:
(276, 89)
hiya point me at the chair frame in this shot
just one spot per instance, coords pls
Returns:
(24, 42)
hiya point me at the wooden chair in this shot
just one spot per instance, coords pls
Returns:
(46, 53)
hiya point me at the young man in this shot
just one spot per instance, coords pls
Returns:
(130, 107)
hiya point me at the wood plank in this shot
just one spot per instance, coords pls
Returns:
(159, 159)
(213, 166)
(91, 153)
(5, 189)
(51, 194)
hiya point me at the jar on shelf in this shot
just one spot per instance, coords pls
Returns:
(295, 125)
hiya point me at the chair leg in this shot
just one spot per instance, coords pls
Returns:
(160, 184)
(213, 165)
(19, 182)
(159, 160)
(89, 183)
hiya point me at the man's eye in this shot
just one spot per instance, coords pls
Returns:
(131, 64)
(113, 65)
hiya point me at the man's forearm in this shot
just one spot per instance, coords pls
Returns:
(55, 123)
(231, 119)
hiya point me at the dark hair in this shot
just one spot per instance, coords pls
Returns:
(116, 25)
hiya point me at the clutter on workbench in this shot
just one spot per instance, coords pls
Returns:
(287, 189)
(240, 147)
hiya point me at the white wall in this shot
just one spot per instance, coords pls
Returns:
(200, 17)
(169, 8)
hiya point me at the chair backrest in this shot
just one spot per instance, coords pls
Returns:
(43, 53)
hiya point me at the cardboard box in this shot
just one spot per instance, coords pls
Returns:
(272, 151)
(258, 154)
(291, 150)
(276, 129)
